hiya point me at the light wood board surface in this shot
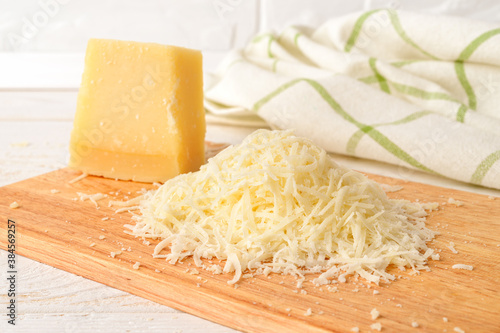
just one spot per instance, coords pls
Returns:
(55, 229)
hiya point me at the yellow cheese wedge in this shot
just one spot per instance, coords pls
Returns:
(139, 112)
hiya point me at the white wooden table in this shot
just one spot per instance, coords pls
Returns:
(37, 103)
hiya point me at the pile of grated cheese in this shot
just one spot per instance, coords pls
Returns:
(278, 203)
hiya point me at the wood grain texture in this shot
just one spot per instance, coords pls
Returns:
(56, 230)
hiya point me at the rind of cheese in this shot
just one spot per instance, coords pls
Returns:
(277, 203)
(139, 112)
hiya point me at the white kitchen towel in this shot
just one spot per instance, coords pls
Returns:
(414, 90)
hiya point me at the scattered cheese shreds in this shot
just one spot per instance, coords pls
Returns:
(92, 197)
(127, 206)
(14, 205)
(375, 314)
(376, 326)
(74, 180)
(462, 266)
(279, 204)
(126, 209)
(451, 246)
(391, 188)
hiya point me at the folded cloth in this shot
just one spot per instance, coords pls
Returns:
(414, 90)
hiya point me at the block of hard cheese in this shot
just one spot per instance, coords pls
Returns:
(139, 112)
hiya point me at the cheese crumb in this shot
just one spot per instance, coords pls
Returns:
(308, 312)
(136, 265)
(376, 292)
(430, 205)
(445, 319)
(455, 202)
(14, 205)
(355, 329)
(54, 191)
(462, 266)
(414, 324)
(451, 246)
(375, 314)
(92, 244)
(102, 237)
(458, 330)
(376, 326)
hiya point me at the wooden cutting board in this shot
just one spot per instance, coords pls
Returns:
(61, 231)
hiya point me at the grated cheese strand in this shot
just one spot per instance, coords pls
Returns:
(276, 203)
(92, 197)
(77, 179)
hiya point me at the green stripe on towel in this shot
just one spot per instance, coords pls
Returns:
(483, 167)
(356, 30)
(422, 94)
(469, 50)
(378, 137)
(381, 79)
(464, 56)
(471, 95)
(400, 31)
(356, 137)
(461, 113)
